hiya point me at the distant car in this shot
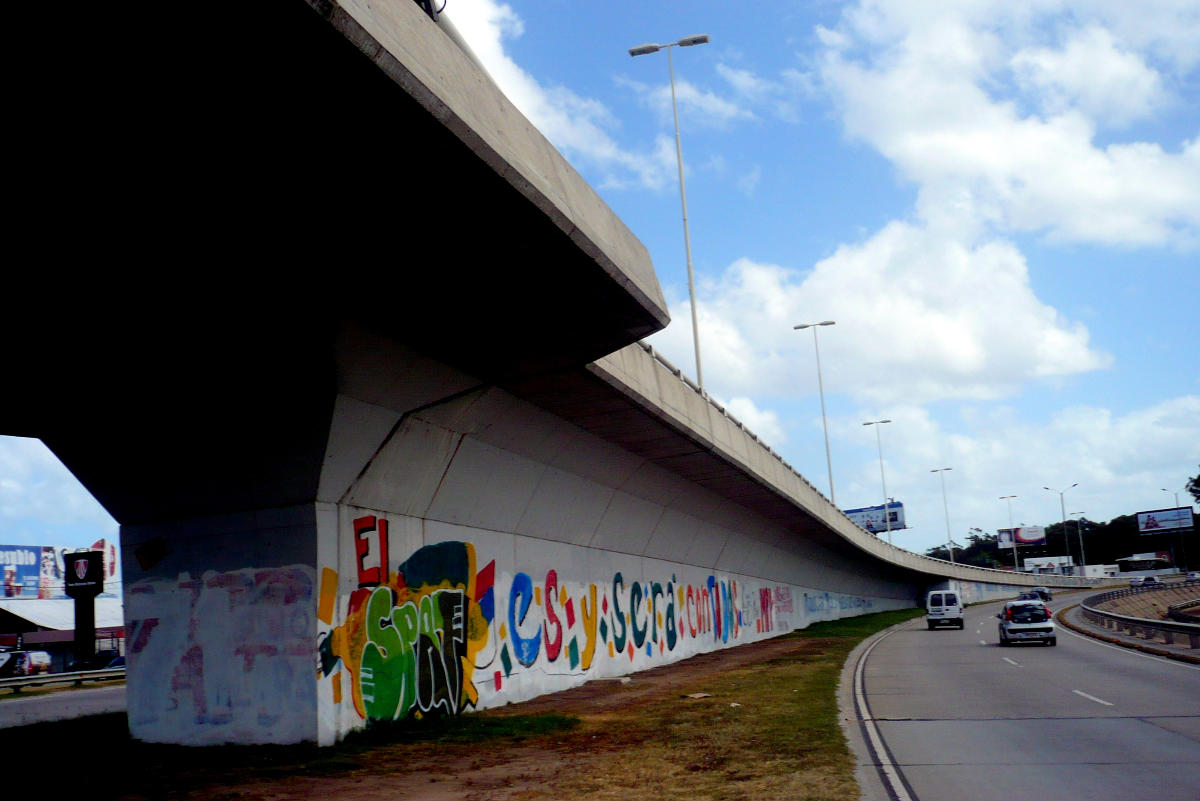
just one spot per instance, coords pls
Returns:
(1044, 593)
(1030, 595)
(1193, 575)
(24, 663)
(1136, 581)
(117, 662)
(1026, 621)
(1151, 581)
(943, 606)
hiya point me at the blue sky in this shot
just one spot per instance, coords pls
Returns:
(998, 202)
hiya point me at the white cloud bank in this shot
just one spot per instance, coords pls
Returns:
(920, 317)
(994, 110)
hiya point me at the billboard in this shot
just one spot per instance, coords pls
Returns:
(1049, 564)
(871, 517)
(1023, 535)
(37, 571)
(1165, 521)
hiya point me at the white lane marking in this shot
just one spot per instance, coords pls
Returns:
(982, 642)
(1130, 651)
(1009, 661)
(886, 766)
(1091, 697)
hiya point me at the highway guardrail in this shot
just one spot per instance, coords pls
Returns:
(17, 683)
(1170, 631)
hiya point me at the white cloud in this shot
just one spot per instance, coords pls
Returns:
(748, 182)
(1111, 457)
(700, 107)
(37, 487)
(1091, 73)
(926, 86)
(921, 316)
(764, 423)
(578, 126)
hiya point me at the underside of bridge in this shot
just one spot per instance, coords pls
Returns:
(348, 349)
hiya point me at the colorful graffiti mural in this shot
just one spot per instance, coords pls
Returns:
(416, 639)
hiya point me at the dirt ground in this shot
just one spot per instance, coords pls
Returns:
(501, 771)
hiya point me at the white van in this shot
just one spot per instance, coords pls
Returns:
(943, 606)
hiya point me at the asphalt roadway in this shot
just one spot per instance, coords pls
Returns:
(72, 703)
(946, 715)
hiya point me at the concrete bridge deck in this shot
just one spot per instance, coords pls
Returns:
(363, 386)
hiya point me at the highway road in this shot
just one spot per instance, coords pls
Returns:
(17, 711)
(951, 716)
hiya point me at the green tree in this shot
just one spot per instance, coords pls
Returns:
(1193, 486)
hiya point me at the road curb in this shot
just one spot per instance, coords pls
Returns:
(1061, 617)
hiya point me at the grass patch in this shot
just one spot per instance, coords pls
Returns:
(769, 729)
(164, 770)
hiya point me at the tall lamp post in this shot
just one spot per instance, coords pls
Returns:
(1009, 498)
(1063, 509)
(1079, 533)
(642, 50)
(887, 517)
(941, 471)
(821, 389)
(1182, 541)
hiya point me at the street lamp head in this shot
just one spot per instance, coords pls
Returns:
(811, 325)
(698, 39)
(645, 49)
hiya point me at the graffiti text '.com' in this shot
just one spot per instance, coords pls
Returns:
(419, 639)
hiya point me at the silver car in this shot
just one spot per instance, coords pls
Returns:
(1026, 621)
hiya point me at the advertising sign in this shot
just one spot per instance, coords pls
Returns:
(1023, 535)
(871, 517)
(84, 575)
(37, 571)
(22, 565)
(1165, 521)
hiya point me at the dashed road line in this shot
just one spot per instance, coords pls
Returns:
(1091, 697)
(1011, 662)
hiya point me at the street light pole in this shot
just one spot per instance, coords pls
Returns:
(1176, 494)
(1079, 533)
(1063, 509)
(641, 50)
(941, 471)
(1012, 530)
(821, 389)
(887, 518)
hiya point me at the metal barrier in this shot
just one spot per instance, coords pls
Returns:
(1170, 631)
(17, 683)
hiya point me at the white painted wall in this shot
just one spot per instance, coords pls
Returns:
(572, 560)
(220, 622)
(579, 613)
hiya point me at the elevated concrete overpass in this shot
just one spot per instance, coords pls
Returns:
(361, 378)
